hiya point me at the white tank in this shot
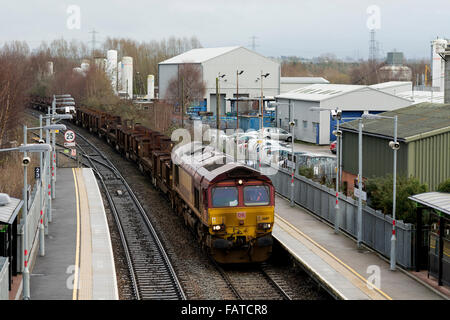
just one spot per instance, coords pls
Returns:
(111, 68)
(438, 65)
(85, 65)
(79, 71)
(150, 87)
(49, 68)
(127, 76)
(119, 76)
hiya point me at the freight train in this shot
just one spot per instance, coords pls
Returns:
(228, 205)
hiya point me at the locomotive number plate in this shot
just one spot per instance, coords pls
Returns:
(240, 215)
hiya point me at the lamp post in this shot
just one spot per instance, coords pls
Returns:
(42, 180)
(336, 114)
(60, 100)
(359, 221)
(219, 76)
(394, 145)
(291, 125)
(261, 107)
(238, 73)
(25, 148)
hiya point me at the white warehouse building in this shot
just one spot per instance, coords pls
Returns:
(225, 61)
(291, 83)
(317, 126)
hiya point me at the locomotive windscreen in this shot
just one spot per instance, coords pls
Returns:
(224, 197)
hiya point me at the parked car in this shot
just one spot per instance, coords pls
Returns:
(333, 147)
(276, 134)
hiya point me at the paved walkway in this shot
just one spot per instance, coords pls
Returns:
(348, 272)
(78, 247)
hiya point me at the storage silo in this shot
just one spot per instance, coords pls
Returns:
(111, 68)
(79, 71)
(119, 76)
(49, 68)
(85, 65)
(127, 76)
(150, 87)
(438, 65)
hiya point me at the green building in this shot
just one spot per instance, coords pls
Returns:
(424, 136)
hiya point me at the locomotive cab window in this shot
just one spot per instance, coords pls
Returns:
(256, 196)
(224, 197)
(197, 198)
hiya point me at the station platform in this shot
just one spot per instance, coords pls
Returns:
(334, 260)
(78, 262)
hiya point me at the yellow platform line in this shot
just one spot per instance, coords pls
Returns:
(77, 248)
(333, 256)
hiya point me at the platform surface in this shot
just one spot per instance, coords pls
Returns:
(334, 259)
(78, 247)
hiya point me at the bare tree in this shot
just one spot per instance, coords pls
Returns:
(187, 87)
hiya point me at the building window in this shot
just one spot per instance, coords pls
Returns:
(305, 124)
(296, 122)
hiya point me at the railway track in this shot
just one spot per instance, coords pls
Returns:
(253, 283)
(151, 272)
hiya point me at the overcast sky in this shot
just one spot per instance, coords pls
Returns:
(283, 27)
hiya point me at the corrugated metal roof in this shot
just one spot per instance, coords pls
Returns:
(319, 92)
(422, 96)
(413, 121)
(437, 200)
(199, 55)
(9, 211)
(303, 80)
(390, 84)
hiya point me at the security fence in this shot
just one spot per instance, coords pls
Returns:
(376, 227)
(36, 201)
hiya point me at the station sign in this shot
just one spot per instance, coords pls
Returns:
(37, 173)
(364, 194)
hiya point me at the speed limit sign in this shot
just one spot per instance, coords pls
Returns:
(69, 136)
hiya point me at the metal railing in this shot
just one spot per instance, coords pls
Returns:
(376, 226)
(33, 220)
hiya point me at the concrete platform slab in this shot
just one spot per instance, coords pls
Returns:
(335, 260)
(78, 247)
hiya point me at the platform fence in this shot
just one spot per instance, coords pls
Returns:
(376, 226)
(33, 220)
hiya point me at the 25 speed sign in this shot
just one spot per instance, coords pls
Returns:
(69, 136)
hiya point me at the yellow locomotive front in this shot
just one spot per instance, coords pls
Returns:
(240, 219)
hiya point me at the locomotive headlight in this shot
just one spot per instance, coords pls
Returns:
(264, 226)
(218, 227)
(240, 181)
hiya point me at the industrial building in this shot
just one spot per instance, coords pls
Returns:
(393, 87)
(424, 136)
(317, 126)
(291, 83)
(225, 61)
(394, 70)
(438, 64)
